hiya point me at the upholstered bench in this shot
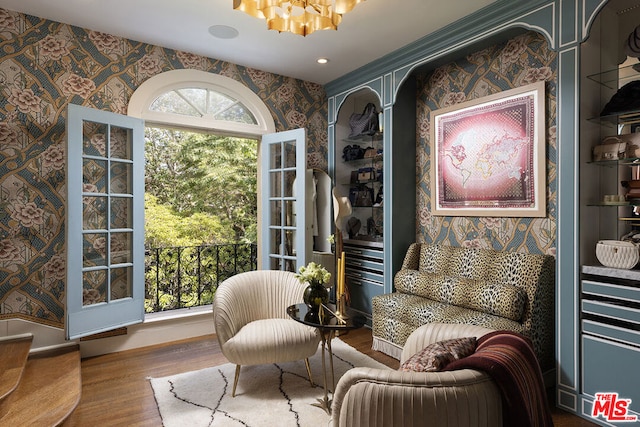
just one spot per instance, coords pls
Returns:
(445, 284)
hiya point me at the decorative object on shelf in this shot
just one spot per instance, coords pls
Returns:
(365, 123)
(370, 153)
(352, 152)
(353, 227)
(318, 279)
(361, 196)
(378, 202)
(366, 174)
(488, 155)
(301, 17)
(626, 99)
(617, 254)
(612, 148)
(633, 188)
(615, 200)
(632, 46)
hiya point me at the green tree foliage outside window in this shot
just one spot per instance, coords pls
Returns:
(201, 189)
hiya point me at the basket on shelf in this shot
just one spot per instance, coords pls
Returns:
(617, 254)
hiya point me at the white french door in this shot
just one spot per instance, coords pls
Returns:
(105, 221)
(284, 207)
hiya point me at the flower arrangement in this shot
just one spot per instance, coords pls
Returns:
(314, 273)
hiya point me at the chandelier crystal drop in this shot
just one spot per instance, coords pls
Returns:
(301, 17)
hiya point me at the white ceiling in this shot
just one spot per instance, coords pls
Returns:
(373, 29)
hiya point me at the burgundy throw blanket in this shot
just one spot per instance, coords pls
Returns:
(509, 359)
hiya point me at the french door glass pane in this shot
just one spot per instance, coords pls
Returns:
(94, 249)
(94, 141)
(121, 178)
(94, 213)
(121, 244)
(119, 143)
(121, 209)
(290, 154)
(94, 175)
(94, 287)
(121, 283)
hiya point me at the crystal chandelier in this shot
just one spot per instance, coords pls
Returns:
(300, 17)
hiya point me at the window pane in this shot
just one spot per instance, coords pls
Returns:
(289, 182)
(197, 102)
(94, 249)
(121, 209)
(94, 176)
(196, 97)
(236, 113)
(219, 102)
(121, 279)
(276, 264)
(121, 244)
(276, 213)
(94, 213)
(275, 156)
(93, 139)
(276, 241)
(94, 287)
(276, 184)
(171, 102)
(119, 140)
(289, 214)
(290, 154)
(121, 178)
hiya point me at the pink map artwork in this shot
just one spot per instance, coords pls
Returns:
(485, 156)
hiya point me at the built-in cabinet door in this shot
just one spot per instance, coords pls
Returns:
(284, 207)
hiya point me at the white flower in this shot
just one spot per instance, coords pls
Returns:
(313, 273)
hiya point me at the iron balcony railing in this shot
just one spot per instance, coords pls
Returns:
(188, 276)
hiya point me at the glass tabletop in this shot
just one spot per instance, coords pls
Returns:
(327, 318)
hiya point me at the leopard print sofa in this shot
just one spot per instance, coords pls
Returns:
(492, 289)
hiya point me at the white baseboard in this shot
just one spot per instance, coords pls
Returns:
(157, 328)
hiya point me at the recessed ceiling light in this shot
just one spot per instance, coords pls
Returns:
(223, 32)
(322, 60)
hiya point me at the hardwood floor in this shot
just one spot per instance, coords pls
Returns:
(116, 390)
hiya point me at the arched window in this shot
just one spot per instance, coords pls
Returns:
(200, 100)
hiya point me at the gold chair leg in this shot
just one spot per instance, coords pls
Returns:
(235, 381)
(306, 362)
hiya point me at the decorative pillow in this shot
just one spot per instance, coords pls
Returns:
(500, 299)
(436, 356)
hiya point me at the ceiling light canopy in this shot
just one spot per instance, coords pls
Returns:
(300, 17)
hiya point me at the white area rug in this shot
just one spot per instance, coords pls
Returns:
(276, 395)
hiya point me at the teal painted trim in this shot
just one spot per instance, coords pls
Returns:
(387, 97)
(590, 10)
(376, 85)
(484, 24)
(569, 10)
(331, 110)
(331, 153)
(567, 284)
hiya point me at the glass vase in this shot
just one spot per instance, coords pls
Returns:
(314, 295)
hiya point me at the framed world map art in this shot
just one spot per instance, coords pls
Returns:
(488, 156)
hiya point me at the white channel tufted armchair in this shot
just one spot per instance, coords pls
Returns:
(251, 321)
(370, 397)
